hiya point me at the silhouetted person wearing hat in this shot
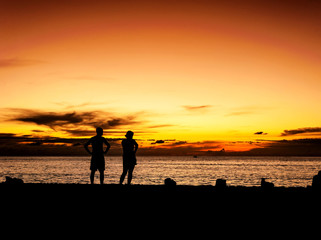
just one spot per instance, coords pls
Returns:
(130, 147)
(97, 154)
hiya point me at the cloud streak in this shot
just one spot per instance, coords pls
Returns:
(82, 123)
(16, 62)
(67, 105)
(302, 131)
(196, 108)
(260, 133)
(246, 110)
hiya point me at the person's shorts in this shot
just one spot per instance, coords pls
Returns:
(97, 163)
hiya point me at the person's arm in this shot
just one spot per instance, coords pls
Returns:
(136, 146)
(86, 146)
(107, 144)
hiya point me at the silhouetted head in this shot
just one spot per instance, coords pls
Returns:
(129, 134)
(319, 173)
(99, 131)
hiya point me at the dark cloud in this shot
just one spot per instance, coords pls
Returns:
(16, 145)
(260, 133)
(16, 62)
(82, 123)
(308, 130)
(73, 122)
(196, 108)
(170, 142)
(37, 131)
(52, 119)
(158, 142)
(80, 132)
(183, 148)
(114, 122)
(7, 135)
(178, 143)
(297, 147)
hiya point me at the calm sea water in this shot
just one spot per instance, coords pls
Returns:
(238, 171)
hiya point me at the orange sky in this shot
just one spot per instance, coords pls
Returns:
(185, 70)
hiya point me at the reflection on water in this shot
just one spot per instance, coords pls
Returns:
(238, 171)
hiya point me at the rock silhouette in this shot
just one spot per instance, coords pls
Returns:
(169, 182)
(266, 185)
(220, 184)
(10, 180)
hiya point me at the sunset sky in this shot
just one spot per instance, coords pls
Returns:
(223, 74)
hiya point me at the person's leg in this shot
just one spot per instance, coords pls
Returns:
(123, 175)
(92, 176)
(102, 176)
(130, 174)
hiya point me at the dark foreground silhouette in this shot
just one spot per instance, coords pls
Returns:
(154, 202)
(206, 209)
(157, 195)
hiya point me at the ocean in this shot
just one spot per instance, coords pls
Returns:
(185, 170)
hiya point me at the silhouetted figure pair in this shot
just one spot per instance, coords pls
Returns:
(130, 147)
(97, 154)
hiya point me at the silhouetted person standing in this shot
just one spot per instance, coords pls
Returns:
(130, 147)
(97, 154)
